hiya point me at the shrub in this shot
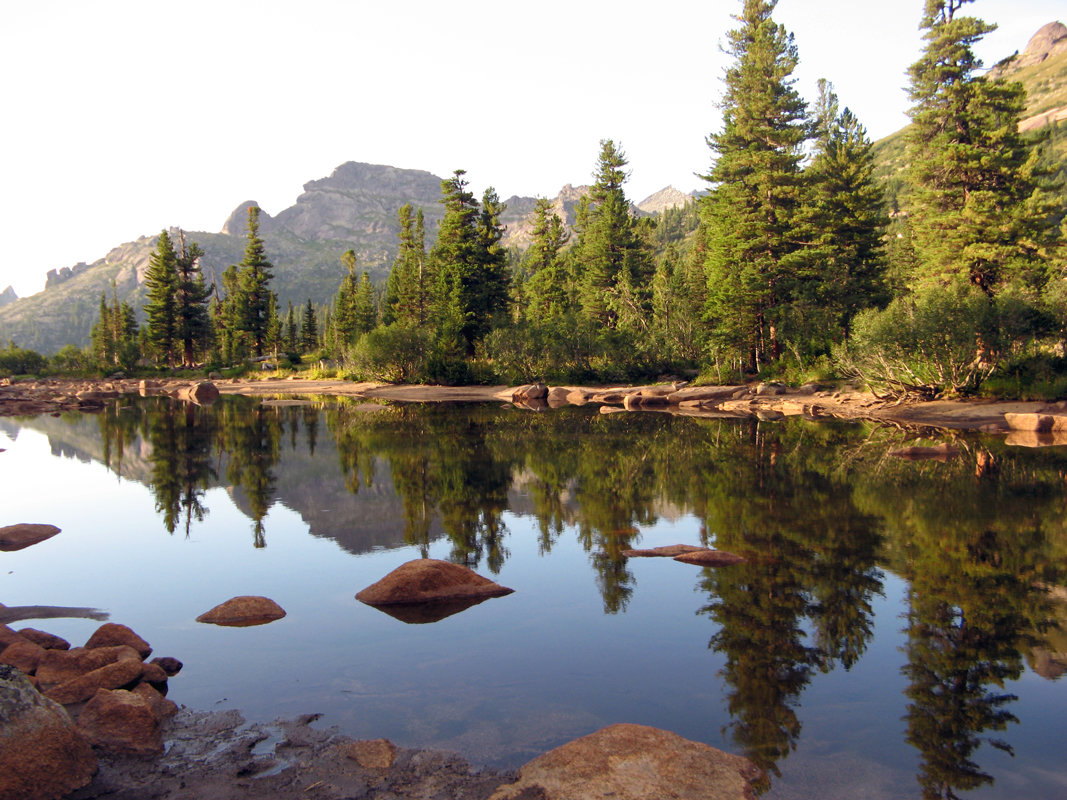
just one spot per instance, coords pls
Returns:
(395, 353)
(19, 361)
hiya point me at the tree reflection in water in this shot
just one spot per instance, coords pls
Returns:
(817, 508)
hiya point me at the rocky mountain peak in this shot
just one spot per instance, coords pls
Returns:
(8, 296)
(1049, 40)
(237, 223)
(668, 197)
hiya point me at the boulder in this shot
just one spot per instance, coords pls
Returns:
(121, 722)
(242, 612)
(7, 636)
(634, 762)
(60, 666)
(770, 388)
(701, 393)
(577, 397)
(111, 634)
(24, 534)
(153, 673)
(46, 640)
(42, 754)
(171, 666)
(557, 396)
(162, 708)
(711, 558)
(1037, 423)
(427, 580)
(111, 676)
(203, 393)
(667, 551)
(531, 391)
(24, 655)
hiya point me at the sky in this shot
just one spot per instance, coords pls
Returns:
(122, 118)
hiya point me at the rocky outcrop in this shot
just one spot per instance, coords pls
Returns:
(237, 223)
(8, 296)
(243, 612)
(25, 534)
(42, 754)
(427, 580)
(1049, 40)
(634, 762)
(55, 277)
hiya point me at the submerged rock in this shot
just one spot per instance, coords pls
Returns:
(42, 754)
(634, 762)
(711, 558)
(25, 534)
(667, 551)
(427, 580)
(243, 612)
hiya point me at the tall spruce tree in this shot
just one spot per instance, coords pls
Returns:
(975, 211)
(161, 307)
(344, 304)
(748, 216)
(309, 328)
(612, 266)
(255, 273)
(192, 294)
(542, 288)
(409, 288)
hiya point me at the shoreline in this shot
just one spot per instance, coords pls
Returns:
(764, 401)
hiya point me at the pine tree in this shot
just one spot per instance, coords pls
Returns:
(193, 322)
(292, 331)
(344, 305)
(748, 216)
(114, 337)
(408, 291)
(976, 212)
(255, 273)
(841, 222)
(543, 288)
(364, 306)
(309, 328)
(161, 307)
(491, 287)
(612, 265)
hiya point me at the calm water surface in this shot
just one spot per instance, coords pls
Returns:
(898, 632)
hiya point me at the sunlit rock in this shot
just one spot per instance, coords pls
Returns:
(111, 634)
(634, 762)
(428, 580)
(243, 612)
(24, 534)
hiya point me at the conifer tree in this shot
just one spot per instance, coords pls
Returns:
(292, 331)
(975, 212)
(543, 289)
(344, 305)
(161, 307)
(364, 306)
(748, 216)
(255, 273)
(309, 328)
(192, 294)
(114, 337)
(408, 291)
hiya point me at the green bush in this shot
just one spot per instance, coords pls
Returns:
(940, 340)
(19, 361)
(395, 353)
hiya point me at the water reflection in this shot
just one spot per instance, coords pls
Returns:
(820, 510)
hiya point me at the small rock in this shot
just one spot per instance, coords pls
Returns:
(171, 666)
(244, 611)
(24, 534)
(770, 388)
(578, 397)
(111, 634)
(711, 558)
(46, 640)
(24, 655)
(153, 673)
(429, 580)
(121, 722)
(371, 753)
(42, 754)
(634, 762)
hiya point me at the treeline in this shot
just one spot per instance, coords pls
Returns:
(792, 265)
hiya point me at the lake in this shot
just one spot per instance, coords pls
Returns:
(898, 631)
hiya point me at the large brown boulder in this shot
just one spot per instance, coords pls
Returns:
(23, 655)
(244, 611)
(202, 394)
(121, 722)
(531, 391)
(111, 634)
(111, 676)
(427, 580)
(24, 534)
(634, 762)
(42, 754)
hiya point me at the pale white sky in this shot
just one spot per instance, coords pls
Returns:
(123, 117)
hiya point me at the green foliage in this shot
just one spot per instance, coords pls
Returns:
(937, 341)
(161, 307)
(15, 360)
(115, 339)
(396, 353)
(73, 360)
(193, 331)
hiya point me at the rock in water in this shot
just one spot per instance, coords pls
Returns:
(634, 762)
(42, 754)
(427, 580)
(667, 551)
(710, 558)
(24, 534)
(202, 394)
(111, 634)
(242, 612)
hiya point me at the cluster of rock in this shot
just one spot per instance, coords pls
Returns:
(59, 704)
(54, 396)
(765, 400)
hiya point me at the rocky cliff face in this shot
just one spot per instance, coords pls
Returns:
(663, 199)
(1050, 40)
(8, 296)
